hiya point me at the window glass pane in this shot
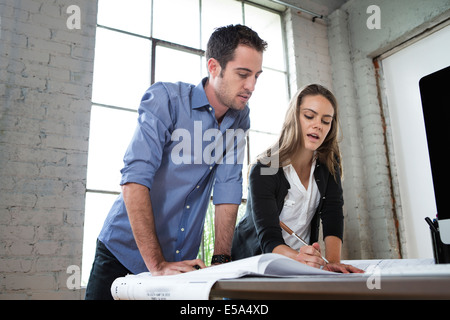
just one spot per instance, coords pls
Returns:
(269, 102)
(96, 209)
(204, 68)
(121, 69)
(110, 133)
(268, 26)
(218, 13)
(132, 15)
(177, 21)
(260, 142)
(174, 65)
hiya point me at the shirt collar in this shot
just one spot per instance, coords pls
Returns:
(289, 169)
(199, 98)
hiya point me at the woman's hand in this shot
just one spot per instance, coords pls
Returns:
(311, 256)
(342, 268)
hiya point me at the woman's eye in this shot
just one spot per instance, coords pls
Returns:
(326, 122)
(308, 117)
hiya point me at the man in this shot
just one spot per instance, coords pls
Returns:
(179, 151)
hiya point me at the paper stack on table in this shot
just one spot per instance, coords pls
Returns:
(196, 285)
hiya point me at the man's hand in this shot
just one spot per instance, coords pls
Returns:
(170, 268)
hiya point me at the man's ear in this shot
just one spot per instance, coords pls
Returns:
(214, 67)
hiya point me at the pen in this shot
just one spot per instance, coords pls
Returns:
(431, 224)
(292, 233)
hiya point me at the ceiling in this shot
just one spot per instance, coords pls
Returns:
(322, 7)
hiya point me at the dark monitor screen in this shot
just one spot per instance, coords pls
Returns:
(435, 95)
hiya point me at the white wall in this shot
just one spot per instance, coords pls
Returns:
(45, 100)
(402, 72)
(375, 225)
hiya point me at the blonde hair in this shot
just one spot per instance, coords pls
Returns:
(290, 138)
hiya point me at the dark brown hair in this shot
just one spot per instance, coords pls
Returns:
(224, 41)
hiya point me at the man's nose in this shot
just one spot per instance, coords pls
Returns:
(250, 84)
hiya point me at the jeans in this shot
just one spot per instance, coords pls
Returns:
(105, 269)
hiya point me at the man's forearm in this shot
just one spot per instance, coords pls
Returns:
(140, 213)
(225, 222)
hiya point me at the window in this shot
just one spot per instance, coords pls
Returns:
(409, 136)
(144, 41)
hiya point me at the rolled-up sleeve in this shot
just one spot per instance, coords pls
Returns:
(227, 193)
(144, 153)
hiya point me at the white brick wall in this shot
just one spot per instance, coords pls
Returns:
(45, 90)
(357, 240)
(374, 217)
(308, 55)
(370, 229)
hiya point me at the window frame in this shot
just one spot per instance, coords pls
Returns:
(155, 42)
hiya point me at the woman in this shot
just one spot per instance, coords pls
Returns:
(304, 186)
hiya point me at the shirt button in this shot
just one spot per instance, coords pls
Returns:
(210, 109)
(198, 187)
(177, 252)
(187, 207)
(210, 168)
(182, 229)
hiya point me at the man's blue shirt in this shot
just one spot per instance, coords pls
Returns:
(181, 154)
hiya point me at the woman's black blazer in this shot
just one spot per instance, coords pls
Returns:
(259, 230)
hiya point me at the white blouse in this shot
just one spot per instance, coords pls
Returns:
(299, 207)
